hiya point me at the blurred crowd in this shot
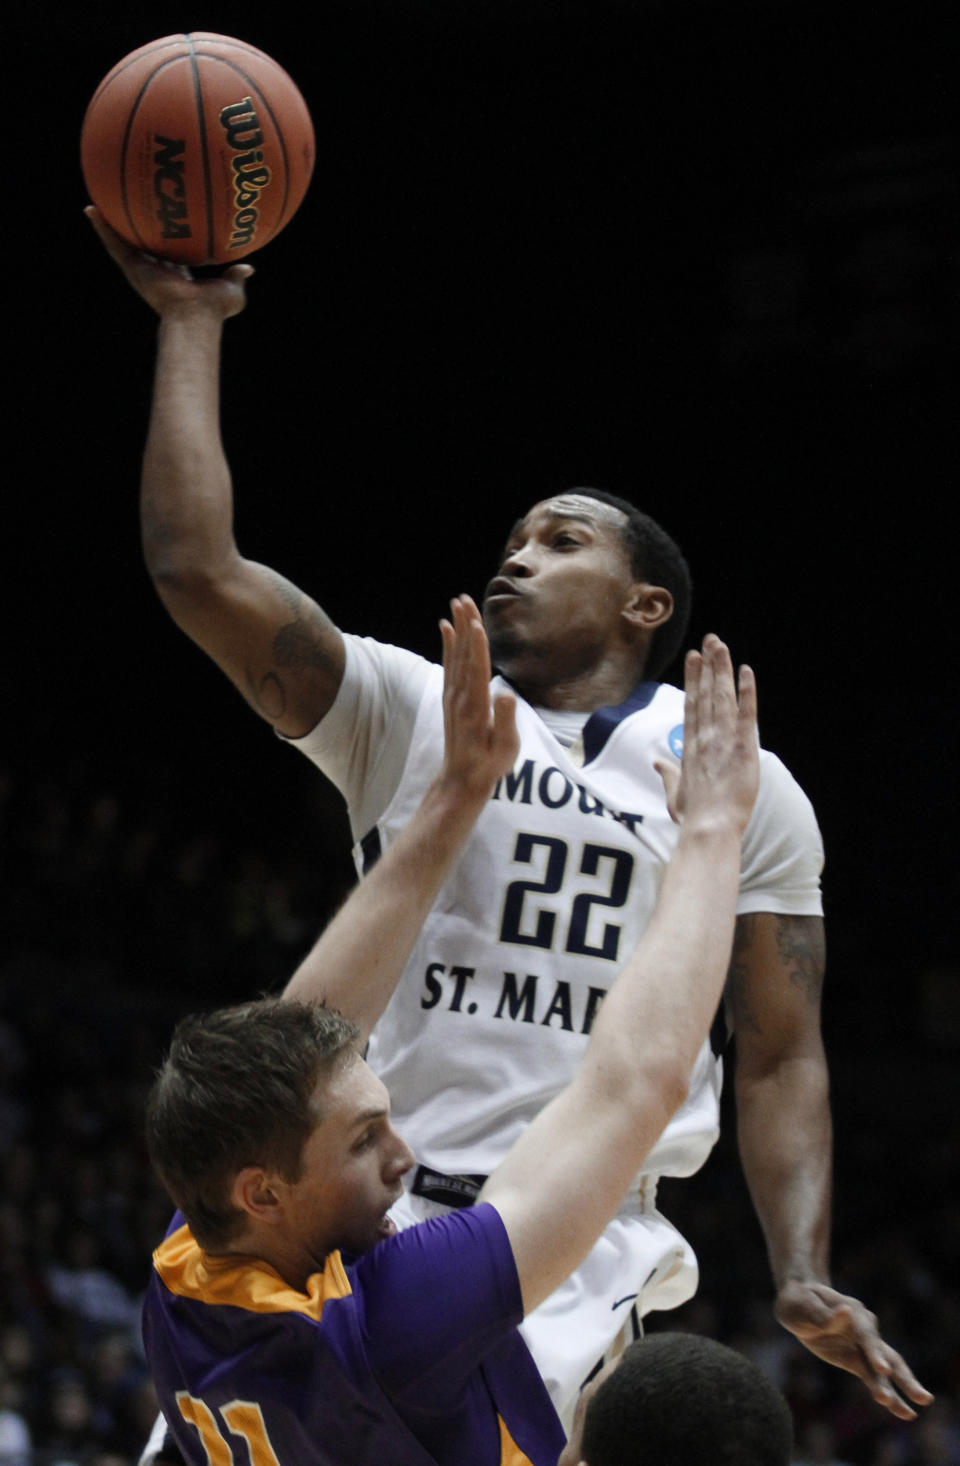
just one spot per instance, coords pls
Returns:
(119, 919)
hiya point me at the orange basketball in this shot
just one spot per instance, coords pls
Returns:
(197, 148)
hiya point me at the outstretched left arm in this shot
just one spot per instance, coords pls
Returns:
(785, 1138)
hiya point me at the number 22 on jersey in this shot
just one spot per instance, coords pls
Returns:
(537, 928)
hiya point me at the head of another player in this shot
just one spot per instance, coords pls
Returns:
(272, 1135)
(676, 1399)
(586, 582)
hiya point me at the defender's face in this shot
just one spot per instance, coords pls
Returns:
(563, 584)
(352, 1164)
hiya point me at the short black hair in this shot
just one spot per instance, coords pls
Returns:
(682, 1400)
(656, 558)
(235, 1090)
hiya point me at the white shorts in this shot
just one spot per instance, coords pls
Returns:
(151, 1450)
(640, 1261)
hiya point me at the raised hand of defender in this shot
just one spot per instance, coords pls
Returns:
(168, 287)
(481, 741)
(717, 778)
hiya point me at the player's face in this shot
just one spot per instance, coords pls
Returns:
(556, 606)
(352, 1164)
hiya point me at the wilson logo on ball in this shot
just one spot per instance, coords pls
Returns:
(250, 173)
(170, 187)
(197, 148)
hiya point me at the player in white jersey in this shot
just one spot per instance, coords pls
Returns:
(577, 618)
(555, 886)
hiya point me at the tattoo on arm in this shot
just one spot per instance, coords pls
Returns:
(739, 1014)
(802, 948)
(287, 592)
(298, 646)
(801, 951)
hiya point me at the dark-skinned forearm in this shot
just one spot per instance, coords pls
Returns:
(785, 1139)
(186, 492)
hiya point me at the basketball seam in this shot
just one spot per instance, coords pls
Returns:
(204, 151)
(126, 140)
(184, 38)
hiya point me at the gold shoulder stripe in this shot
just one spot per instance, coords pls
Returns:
(510, 1452)
(242, 1281)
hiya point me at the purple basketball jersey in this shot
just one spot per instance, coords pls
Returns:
(408, 1356)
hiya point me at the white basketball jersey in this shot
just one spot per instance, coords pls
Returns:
(549, 898)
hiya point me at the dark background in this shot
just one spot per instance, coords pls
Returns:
(701, 254)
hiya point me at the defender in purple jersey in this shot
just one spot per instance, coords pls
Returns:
(408, 1355)
(286, 1322)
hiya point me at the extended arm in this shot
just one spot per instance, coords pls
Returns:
(782, 1088)
(359, 958)
(785, 1137)
(282, 652)
(567, 1175)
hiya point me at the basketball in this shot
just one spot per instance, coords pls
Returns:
(197, 148)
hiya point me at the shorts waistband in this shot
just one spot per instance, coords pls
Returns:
(457, 1191)
(463, 1189)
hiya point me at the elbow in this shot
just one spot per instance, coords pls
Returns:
(169, 557)
(175, 575)
(668, 1082)
(674, 1087)
(656, 1091)
(181, 575)
(193, 597)
(178, 587)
